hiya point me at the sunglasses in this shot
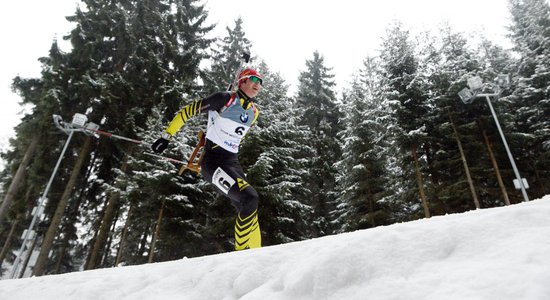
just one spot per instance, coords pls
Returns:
(255, 79)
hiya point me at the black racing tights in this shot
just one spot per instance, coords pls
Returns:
(222, 168)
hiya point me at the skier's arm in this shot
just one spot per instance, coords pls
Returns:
(212, 102)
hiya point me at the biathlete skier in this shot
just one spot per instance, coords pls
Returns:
(230, 116)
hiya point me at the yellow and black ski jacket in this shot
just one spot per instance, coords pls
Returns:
(230, 116)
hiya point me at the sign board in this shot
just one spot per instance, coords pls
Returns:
(518, 186)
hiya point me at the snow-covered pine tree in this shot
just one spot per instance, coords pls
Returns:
(320, 111)
(48, 95)
(446, 60)
(530, 100)
(404, 91)
(495, 180)
(362, 175)
(162, 70)
(127, 56)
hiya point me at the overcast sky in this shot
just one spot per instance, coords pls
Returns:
(283, 32)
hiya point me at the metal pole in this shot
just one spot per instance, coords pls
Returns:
(108, 134)
(37, 214)
(165, 158)
(42, 201)
(111, 135)
(516, 172)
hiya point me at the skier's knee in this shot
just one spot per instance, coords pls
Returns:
(249, 202)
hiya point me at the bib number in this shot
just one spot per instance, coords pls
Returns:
(222, 180)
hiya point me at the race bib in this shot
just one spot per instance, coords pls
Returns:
(225, 132)
(222, 180)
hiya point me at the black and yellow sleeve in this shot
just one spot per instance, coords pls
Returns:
(213, 102)
(181, 117)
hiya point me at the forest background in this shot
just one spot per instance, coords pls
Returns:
(396, 144)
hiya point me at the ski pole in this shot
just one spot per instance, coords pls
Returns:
(67, 127)
(111, 135)
(165, 158)
(246, 59)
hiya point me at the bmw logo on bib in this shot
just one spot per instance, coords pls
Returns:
(244, 117)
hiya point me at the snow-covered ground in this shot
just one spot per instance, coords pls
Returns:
(499, 253)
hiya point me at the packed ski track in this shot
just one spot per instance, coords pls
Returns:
(497, 253)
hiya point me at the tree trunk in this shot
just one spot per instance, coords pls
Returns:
(542, 188)
(73, 216)
(370, 200)
(17, 180)
(434, 176)
(156, 234)
(420, 183)
(464, 162)
(61, 256)
(101, 238)
(99, 244)
(124, 235)
(495, 165)
(46, 247)
(7, 244)
(107, 249)
(143, 242)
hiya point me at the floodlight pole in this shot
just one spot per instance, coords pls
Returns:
(78, 124)
(38, 212)
(516, 172)
(469, 95)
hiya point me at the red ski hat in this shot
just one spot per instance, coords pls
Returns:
(247, 73)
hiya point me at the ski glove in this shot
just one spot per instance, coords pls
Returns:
(162, 143)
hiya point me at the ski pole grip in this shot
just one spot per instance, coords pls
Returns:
(246, 57)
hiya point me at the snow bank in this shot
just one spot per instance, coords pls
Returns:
(498, 253)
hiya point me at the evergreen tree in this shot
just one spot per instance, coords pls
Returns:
(127, 56)
(530, 33)
(495, 179)
(47, 96)
(404, 91)
(156, 55)
(362, 176)
(320, 112)
(447, 61)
